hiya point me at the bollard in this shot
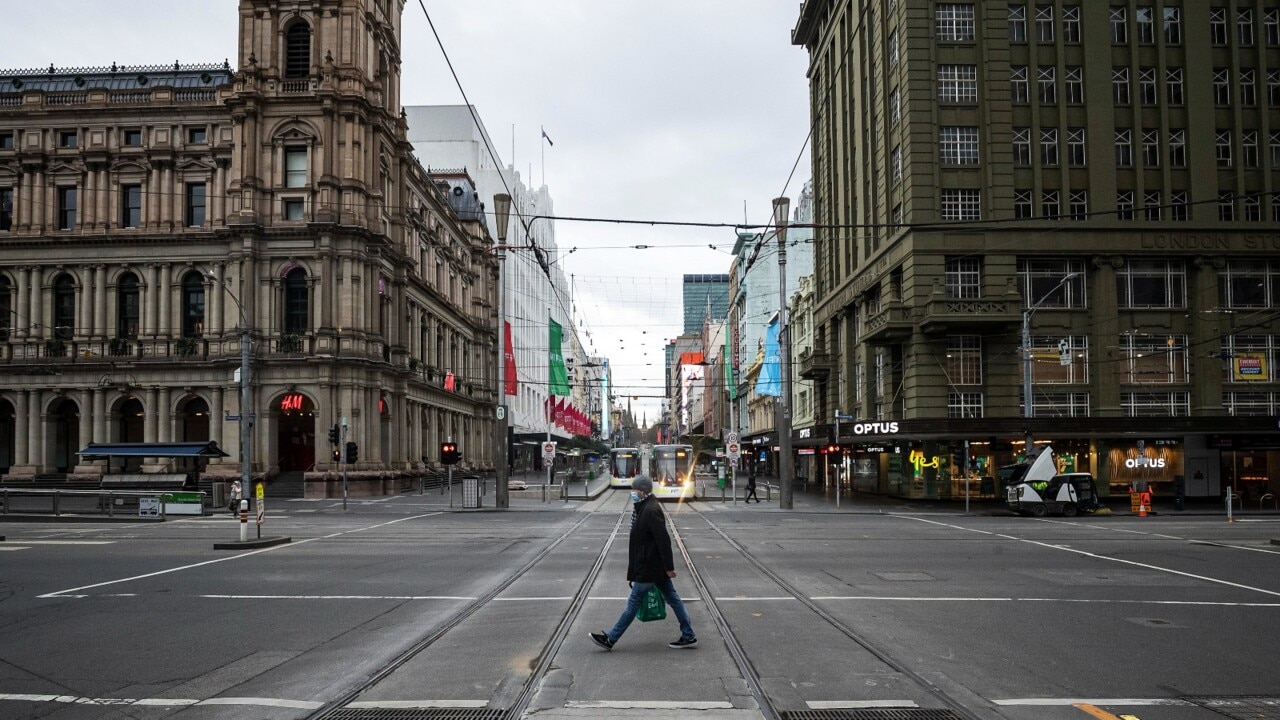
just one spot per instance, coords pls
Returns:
(244, 521)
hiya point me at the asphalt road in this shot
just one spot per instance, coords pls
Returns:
(870, 609)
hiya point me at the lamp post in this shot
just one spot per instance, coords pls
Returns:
(781, 209)
(246, 488)
(1028, 411)
(502, 215)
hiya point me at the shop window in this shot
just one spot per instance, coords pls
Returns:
(64, 307)
(127, 307)
(1151, 284)
(1156, 404)
(296, 302)
(1051, 283)
(1154, 360)
(192, 305)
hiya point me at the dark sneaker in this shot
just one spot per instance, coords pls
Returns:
(683, 643)
(603, 641)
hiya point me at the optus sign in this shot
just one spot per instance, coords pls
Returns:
(1144, 462)
(875, 428)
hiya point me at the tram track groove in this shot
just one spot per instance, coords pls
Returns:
(338, 708)
(753, 680)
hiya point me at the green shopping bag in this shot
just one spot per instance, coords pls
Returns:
(652, 607)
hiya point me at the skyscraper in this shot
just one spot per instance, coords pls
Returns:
(704, 294)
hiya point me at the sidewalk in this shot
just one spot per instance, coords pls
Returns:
(815, 498)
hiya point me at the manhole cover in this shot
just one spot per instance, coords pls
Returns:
(871, 714)
(416, 714)
(1241, 708)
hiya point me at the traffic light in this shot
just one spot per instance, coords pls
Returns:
(834, 454)
(337, 455)
(333, 435)
(353, 452)
(449, 454)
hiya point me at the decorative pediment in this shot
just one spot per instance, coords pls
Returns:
(296, 130)
(64, 169)
(131, 167)
(194, 165)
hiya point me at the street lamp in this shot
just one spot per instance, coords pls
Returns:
(781, 209)
(1028, 411)
(502, 215)
(245, 413)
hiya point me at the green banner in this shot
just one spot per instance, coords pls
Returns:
(558, 376)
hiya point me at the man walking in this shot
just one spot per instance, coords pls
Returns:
(751, 485)
(649, 564)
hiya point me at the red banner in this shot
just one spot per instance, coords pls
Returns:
(509, 354)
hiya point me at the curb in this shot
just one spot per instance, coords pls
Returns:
(254, 544)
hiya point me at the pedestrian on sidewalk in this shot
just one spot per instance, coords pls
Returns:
(751, 485)
(650, 563)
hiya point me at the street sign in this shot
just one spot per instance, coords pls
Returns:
(1064, 352)
(731, 437)
(548, 450)
(149, 507)
(842, 417)
(733, 449)
(232, 418)
(501, 411)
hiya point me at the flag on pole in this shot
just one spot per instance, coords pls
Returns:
(512, 383)
(557, 374)
(547, 137)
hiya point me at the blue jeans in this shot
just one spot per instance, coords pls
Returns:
(638, 590)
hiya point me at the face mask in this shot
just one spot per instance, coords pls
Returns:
(635, 496)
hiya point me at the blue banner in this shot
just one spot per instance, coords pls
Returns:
(770, 380)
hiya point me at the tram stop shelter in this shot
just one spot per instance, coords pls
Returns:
(185, 461)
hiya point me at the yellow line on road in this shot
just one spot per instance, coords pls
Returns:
(1095, 711)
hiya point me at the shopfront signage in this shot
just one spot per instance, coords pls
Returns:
(1144, 462)
(291, 403)
(917, 459)
(875, 428)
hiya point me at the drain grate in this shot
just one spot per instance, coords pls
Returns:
(872, 714)
(1241, 708)
(417, 714)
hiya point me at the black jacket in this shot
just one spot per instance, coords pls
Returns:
(649, 550)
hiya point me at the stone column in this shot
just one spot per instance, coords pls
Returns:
(23, 322)
(21, 440)
(100, 416)
(148, 300)
(216, 295)
(164, 321)
(100, 302)
(216, 425)
(165, 417)
(35, 431)
(151, 417)
(37, 306)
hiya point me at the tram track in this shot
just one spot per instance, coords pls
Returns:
(752, 675)
(340, 708)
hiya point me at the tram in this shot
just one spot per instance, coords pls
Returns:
(673, 467)
(624, 464)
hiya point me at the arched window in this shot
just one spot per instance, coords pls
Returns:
(127, 313)
(297, 51)
(6, 307)
(295, 301)
(192, 305)
(64, 307)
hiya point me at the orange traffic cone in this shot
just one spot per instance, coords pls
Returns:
(1142, 504)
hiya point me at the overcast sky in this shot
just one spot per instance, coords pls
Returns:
(685, 110)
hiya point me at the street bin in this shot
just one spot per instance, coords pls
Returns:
(470, 492)
(220, 495)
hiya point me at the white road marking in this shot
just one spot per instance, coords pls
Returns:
(163, 702)
(10, 548)
(335, 597)
(67, 542)
(1096, 556)
(1083, 601)
(649, 704)
(418, 704)
(853, 704)
(67, 593)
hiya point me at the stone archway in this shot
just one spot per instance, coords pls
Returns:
(8, 437)
(130, 427)
(64, 440)
(295, 421)
(193, 420)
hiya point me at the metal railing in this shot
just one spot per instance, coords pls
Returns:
(105, 499)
